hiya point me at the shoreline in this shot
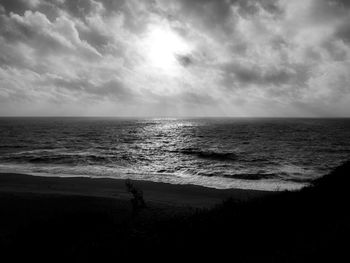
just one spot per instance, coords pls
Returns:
(219, 183)
(154, 192)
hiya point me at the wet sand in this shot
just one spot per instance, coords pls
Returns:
(159, 193)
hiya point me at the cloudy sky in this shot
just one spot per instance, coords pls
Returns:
(175, 58)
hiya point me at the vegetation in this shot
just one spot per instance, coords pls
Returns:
(305, 226)
(137, 202)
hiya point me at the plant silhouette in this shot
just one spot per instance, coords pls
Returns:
(138, 203)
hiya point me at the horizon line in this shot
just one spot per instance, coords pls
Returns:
(181, 117)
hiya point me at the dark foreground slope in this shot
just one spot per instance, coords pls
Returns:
(307, 226)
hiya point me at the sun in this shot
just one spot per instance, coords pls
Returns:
(162, 46)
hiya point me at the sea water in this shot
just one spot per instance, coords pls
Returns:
(247, 153)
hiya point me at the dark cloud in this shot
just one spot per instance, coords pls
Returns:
(334, 51)
(12, 57)
(94, 37)
(16, 6)
(77, 8)
(184, 60)
(186, 99)
(252, 7)
(336, 12)
(15, 28)
(256, 75)
(44, 37)
(114, 88)
(326, 11)
(217, 12)
(338, 3)
(343, 31)
(2, 9)
(212, 13)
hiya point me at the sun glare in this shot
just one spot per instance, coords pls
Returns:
(162, 47)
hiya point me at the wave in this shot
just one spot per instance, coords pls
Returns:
(252, 176)
(210, 154)
(257, 176)
(66, 159)
(242, 176)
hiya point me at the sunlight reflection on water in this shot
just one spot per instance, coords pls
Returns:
(221, 153)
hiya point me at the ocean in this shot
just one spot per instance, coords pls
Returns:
(246, 153)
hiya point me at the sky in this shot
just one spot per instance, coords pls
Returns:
(239, 58)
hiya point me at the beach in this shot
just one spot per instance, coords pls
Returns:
(157, 193)
(87, 219)
(67, 217)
